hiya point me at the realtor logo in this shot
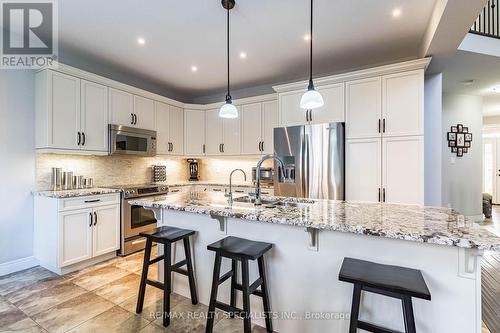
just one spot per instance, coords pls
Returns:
(29, 31)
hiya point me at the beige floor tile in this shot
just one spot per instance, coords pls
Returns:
(484, 329)
(154, 310)
(26, 325)
(85, 271)
(16, 281)
(120, 290)
(152, 296)
(34, 288)
(44, 295)
(132, 263)
(114, 320)
(72, 313)
(99, 277)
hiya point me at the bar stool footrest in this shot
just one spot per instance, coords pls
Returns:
(156, 284)
(228, 308)
(255, 291)
(374, 328)
(224, 277)
(155, 260)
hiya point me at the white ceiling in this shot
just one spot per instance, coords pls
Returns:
(179, 34)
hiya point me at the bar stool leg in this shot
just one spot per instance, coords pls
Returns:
(247, 323)
(189, 264)
(408, 315)
(167, 282)
(233, 285)
(213, 295)
(265, 294)
(356, 298)
(144, 276)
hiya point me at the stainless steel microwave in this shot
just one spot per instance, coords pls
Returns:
(131, 141)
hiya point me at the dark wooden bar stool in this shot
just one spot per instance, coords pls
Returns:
(166, 236)
(243, 250)
(393, 281)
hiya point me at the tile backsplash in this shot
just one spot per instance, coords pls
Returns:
(116, 170)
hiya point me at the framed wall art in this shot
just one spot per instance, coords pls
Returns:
(459, 139)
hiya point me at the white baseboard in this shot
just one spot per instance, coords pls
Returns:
(17, 265)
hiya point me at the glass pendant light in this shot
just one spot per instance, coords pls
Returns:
(311, 99)
(228, 110)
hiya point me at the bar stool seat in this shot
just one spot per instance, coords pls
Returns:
(167, 236)
(392, 281)
(242, 250)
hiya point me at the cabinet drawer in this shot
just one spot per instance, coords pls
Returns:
(89, 201)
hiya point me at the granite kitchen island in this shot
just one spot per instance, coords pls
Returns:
(311, 239)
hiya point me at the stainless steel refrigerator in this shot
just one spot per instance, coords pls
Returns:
(314, 161)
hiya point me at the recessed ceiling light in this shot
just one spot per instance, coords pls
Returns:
(141, 41)
(396, 12)
(468, 82)
(243, 55)
(307, 37)
(194, 69)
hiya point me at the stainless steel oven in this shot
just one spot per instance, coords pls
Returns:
(131, 141)
(136, 219)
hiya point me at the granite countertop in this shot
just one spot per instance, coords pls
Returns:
(407, 222)
(75, 193)
(212, 183)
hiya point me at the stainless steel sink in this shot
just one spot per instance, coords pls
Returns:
(270, 203)
(294, 204)
(248, 199)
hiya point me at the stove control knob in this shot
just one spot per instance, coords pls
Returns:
(127, 192)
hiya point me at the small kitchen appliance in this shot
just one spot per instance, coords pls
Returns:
(194, 170)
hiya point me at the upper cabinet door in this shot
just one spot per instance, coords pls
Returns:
(363, 169)
(403, 169)
(333, 110)
(403, 103)
(269, 122)
(290, 112)
(162, 128)
(251, 128)
(121, 108)
(176, 130)
(94, 116)
(106, 229)
(65, 107)
(194, 132)
(214, 135)
(363, 108)
(144, 113)
(231, 144)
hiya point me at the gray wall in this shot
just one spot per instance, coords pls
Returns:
(462, 176)
(17, 163)
(432, 137)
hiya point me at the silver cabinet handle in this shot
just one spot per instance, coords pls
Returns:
(95, 220)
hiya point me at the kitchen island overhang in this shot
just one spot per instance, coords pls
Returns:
(310, 244)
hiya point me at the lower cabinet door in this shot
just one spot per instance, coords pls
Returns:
(106, 229)
(403, 169)
(75, 236)
(363, 169)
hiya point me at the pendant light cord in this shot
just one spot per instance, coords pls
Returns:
(228, 96)
(311, 46)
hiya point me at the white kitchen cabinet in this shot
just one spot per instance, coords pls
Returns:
(194, 132)
(333, 109)
(106, 232)
(222, 135)
(71, 114)
(403, 169)
(214, 128)
(121, 107)
(251, 129)
(94, 116)
(364, 108)
(57, 111)
(75, 232)
(177, 130)
(403, 103)
(269, 123)
(144, 113)
(170, 129)
(363, 174)
(72, 233)
(258, 121)
(231, 136)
